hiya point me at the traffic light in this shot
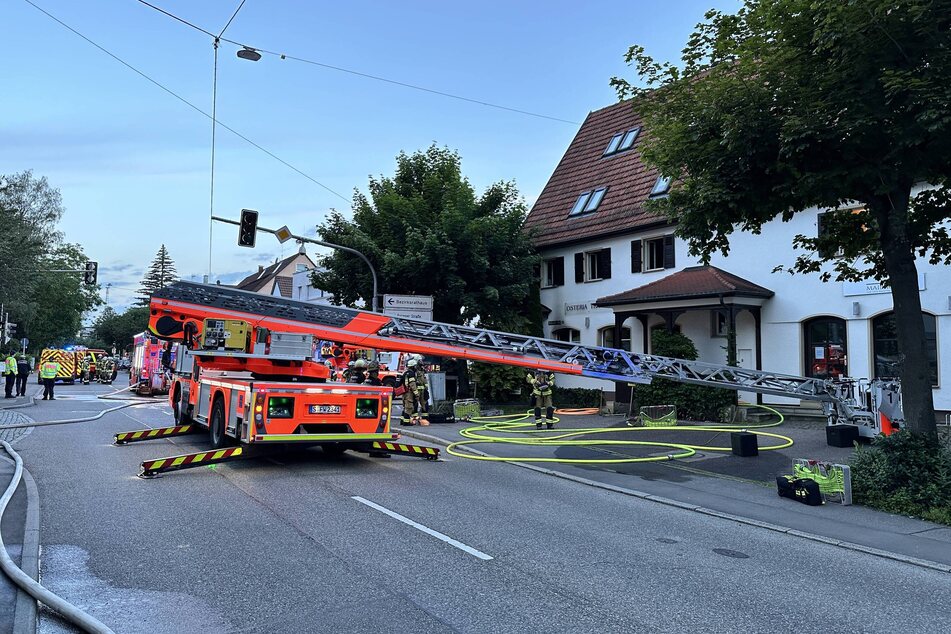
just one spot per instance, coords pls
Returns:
(9, 330)
(248, 229)
(89, 275)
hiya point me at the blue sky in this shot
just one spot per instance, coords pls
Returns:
(133, 162)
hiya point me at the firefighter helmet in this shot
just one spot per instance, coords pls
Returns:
(411, 363)
(360, 364)
(373, 367)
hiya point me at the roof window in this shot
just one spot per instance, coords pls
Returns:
(661, 187)
(621, 141)
(588, 201)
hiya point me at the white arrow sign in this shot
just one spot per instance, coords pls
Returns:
(408, 302)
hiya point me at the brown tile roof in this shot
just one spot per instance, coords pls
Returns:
(285, 283)
(583, 168)
(691, 283)
(263, 277)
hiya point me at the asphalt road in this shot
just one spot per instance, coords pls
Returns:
(284, 545)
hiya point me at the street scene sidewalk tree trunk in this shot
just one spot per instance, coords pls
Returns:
(789, 105)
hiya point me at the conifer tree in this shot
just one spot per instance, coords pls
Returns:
(160, 273)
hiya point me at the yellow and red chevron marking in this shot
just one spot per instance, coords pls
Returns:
(148, 434)
(172, 463)
(409, 450)
(66, 360)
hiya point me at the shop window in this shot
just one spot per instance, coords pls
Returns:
(885, 345)
(567, 334)
(826, 349)
(606, 338)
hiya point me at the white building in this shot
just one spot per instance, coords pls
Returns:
(303, 290)
(608, 262)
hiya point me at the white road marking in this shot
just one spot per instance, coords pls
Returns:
(449, 540)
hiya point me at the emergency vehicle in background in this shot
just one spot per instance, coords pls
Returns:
(246, 372)
(87, 362)
(67, 360)
(152, 359)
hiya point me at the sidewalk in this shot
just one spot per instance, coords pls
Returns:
(17, 613)
(721, 484)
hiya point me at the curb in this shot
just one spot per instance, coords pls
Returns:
(22, 405)
(914, 561)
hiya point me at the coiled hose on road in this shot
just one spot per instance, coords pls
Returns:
(525, 434)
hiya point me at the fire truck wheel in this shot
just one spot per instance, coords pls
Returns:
(216, 428)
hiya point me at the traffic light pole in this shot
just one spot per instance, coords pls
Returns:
(375, 304)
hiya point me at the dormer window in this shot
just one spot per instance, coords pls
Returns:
(588, 201)
(661, 187)
(621, 141)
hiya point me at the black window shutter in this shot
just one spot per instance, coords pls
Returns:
(604, 264)
(820, 233)
(669, 252)
(558, 274)
(637, 264)
(579, 268)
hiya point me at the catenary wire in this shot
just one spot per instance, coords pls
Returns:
(231, 19)
(185, 101)
(357, 73)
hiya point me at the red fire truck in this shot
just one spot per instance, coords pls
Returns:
(245, 372)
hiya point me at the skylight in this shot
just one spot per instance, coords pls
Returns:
(628, 139)
(661, 187)
(613, 144)
(588, 201)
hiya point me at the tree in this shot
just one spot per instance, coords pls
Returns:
(29, 211)
(161, 272)
(117, 329)
(794, 104)
(53, 314)
(427, 233)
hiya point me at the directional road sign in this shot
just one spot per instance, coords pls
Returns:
(408, 302)
(406, 313)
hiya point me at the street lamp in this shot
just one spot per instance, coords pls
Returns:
(249, 53)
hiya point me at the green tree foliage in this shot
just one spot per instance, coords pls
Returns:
(794, 104)
(694, 402)
(427, 233)
(161, 272)
(53, 315)
(117, 329)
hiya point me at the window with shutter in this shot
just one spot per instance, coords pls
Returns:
(604, 264)
(637, 264)
(669, 252)
(579, 268)
(559, 273)
(553, 272)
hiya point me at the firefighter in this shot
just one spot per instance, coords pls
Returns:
(9, 374)
(347, 371)
(359, 372)
(542, 382)
(84, 370)
(373, 374)
(48, 371)
(414, 383)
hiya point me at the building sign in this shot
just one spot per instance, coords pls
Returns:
(406, 313)
(871, 287)
(577, 308)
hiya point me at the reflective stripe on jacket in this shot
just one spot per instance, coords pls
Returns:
(543, 387)
(10, 365)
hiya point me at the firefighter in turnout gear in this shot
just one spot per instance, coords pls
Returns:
(542, 382)
(358, 374)
(373, 374)
(414, 405)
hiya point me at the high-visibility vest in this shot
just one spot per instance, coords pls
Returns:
(10, 365)
(49, 370)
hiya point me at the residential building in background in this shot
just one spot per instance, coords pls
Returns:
(276, 279)
(612, 272)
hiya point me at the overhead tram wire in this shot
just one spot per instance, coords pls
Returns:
(186, 102)
(341, 69)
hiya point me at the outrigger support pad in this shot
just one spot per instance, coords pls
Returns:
(419, 451)
(152, 468)
(124, 438)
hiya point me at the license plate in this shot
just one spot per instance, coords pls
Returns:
(324, 409)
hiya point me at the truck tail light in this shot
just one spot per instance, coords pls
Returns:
(259, 399)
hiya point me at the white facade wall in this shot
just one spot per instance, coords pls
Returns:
(797, 298)
(304, 291)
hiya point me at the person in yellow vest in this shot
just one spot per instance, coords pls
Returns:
(542, 382)
(48, 371)
(9, 374)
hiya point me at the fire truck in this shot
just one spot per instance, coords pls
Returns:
(150, 360)
(246, 372)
